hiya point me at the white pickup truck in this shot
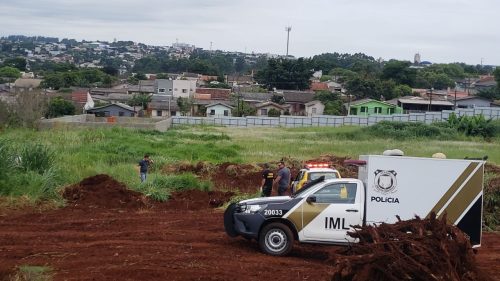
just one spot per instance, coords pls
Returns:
(387, 186)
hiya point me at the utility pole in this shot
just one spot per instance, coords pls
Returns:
(430, 100)
(455, 106)
(287, 29)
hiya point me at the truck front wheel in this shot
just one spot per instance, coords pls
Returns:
(276, 239)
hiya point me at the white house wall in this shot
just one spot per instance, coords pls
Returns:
(219, 110)
(189, 87)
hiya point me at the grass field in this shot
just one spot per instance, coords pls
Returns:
(37, 163)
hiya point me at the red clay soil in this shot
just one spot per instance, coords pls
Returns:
(103, 191)
(183, 239)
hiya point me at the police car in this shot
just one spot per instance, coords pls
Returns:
(311, 172)
(277, 221)
(325, 210)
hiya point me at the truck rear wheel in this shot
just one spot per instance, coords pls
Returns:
(276, 239)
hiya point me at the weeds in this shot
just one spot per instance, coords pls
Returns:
(33, 273)
(160, 187)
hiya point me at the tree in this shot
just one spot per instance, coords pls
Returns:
(19, 63)
(332, 101)
(491, 94)
(9, 72)
(239, 64)
(400, 72)
(273, 112)
(59, 107)
(111, 70)
(364, 88)
(342, 75)
(184, 105)
(496, 73)
(27, 109)
(140, 76)
(401, 91)
(285, 74)
(242, 107)
(140, 100)
(53, 81)
(279, 99)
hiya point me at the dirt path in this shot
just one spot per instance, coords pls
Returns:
(84, 244)
(159, 244)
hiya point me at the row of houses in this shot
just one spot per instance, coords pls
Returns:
(296, 103)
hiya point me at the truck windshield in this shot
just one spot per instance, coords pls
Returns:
(308, 185)
(327, 175)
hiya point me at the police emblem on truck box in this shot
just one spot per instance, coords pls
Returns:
(385, 181)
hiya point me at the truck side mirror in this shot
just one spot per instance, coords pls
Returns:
(311, 199)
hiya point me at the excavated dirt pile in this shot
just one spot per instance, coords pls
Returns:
(247, 178)
(418, 249)
(346, 171)
(198, 200)
(103, 191)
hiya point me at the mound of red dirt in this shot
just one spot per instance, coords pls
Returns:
(247, 178)
(103, 191)
(346, 171)
(418, 249)
(197, 199)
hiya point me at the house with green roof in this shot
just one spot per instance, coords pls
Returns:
(366, 107)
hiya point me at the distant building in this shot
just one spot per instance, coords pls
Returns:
(416, 59)
(366, 107)
(115, 109)
(163, 87)
(263, 108)
(26, 84)
(314, 107)
(183, 88)
(472, 102)
(219, 109)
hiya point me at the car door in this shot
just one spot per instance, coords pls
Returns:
(329, 212)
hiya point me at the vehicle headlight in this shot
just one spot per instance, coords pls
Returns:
(252, 209)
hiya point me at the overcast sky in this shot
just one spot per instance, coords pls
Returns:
(440, 30)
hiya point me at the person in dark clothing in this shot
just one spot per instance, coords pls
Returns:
(267, 181)
(283, 179)
(144, 166)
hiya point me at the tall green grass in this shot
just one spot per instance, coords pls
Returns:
(37, 163)
(28, 170)
(160, 187)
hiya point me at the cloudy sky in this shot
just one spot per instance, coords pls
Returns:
(440, 30)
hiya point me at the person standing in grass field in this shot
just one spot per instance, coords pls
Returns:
(144, 166)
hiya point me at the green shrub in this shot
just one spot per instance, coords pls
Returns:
(406, 130)
(180, 182)
(474, 125)
(158, 194)
(33, 273)
(34, 157)
(5, 158)
(491, 202)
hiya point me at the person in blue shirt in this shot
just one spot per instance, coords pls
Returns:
(144, 166)
(283, 179)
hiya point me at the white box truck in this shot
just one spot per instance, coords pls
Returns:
(387, 186)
